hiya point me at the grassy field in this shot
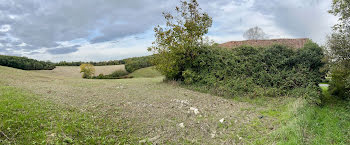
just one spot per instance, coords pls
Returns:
(149, 72)
(74, 71)
(44, 108)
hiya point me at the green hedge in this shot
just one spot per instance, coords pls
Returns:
(273, 70)
(115, 75)
(25, 63)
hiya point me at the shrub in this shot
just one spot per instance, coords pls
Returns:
(88, 70)
(25, 63)
(115, 75)
(340, 82)
(246, 69)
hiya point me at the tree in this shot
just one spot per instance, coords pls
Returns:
(88, 70)
(177, 44)
(255, 33)
(339, 50)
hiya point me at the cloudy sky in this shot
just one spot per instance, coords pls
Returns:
(99, 30)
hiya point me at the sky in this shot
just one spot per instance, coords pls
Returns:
(100, 30)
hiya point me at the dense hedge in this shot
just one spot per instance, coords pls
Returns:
(247, 69)
(25, 63)
(115, 75)
(135, 63)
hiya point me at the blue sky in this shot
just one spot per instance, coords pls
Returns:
(99, 30)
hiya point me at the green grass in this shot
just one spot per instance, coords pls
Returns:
(149, 72)
(24, 119)
(308, 124)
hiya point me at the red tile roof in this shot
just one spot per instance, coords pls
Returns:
(294, 43)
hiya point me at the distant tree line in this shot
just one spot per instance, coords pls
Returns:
(103, 63)
(25, 63)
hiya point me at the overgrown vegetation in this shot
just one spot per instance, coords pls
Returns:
(246, 70)
(181, 54)
(88, 70)
(309, 124)
(25, 63)
(177, 44)
(119, 74)
(24, 119)
(135, 63)
(339, 51)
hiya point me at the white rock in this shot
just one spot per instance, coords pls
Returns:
(195, 110)
(143, 141)
(182, 125)
(222, 120)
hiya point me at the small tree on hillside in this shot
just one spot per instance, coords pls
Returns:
(177, 44)
(88, 70)
(255, 33)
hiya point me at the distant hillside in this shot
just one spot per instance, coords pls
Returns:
(293, 43)
(25, 63)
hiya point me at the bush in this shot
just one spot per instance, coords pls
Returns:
(273, 70)
(88, 70)
(340, 82)
(25, 63)
(115, 75)
(135, 63)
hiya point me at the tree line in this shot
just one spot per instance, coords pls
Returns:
(25, 63)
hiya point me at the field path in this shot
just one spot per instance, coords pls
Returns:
(158, 111)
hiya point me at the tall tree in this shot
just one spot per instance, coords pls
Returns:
(339, 50)
(177, 44)
(255, 33)
(339, 41)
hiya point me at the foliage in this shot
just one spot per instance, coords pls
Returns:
(25, 63)
(339, 50)
(255, 33)
(177, 44)
(119, 74)
(25, 119)
(88, 70)
(102, 63)
(340, 83)
(341, 8)
(135, 63)
(273, 70)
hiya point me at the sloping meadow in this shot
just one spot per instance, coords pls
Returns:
(265, 71)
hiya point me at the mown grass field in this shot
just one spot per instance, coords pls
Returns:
(43, 108)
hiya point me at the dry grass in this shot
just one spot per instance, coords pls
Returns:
(152, 108)
(74, 71)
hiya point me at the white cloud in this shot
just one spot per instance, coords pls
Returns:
(85, 30)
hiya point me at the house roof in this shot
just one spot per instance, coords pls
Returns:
(294, 43)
